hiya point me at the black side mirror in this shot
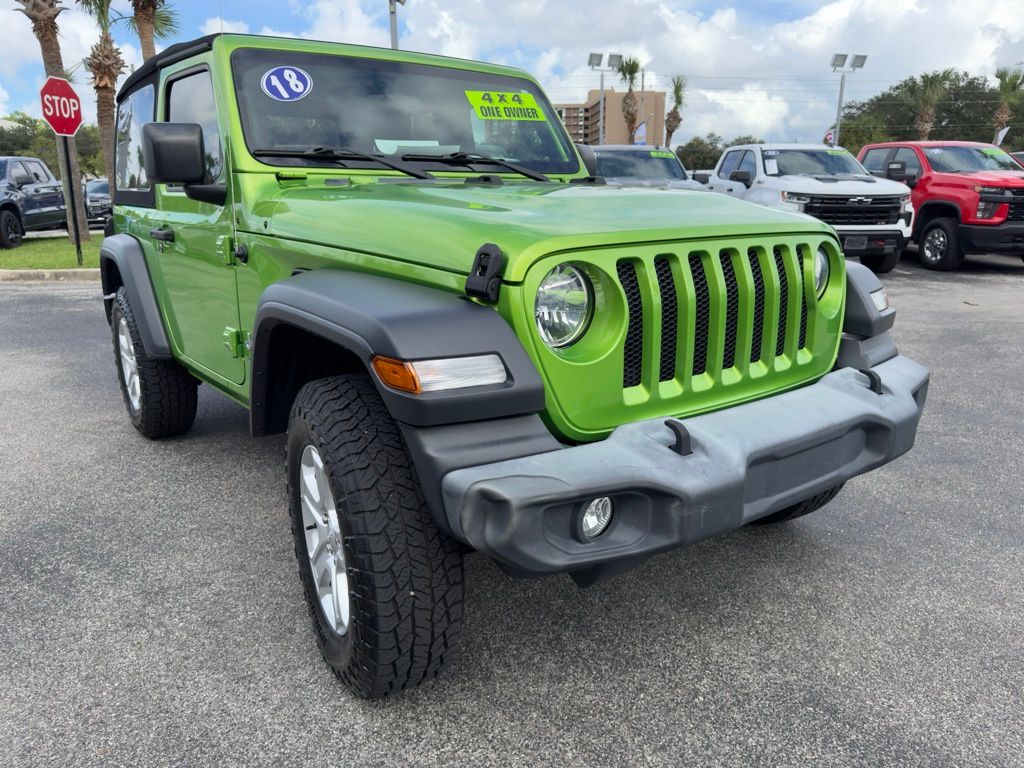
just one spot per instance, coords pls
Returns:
(173, 153)
(701, 176)
(589, 158)
(21, 179)
(743, 177)
(897, 171)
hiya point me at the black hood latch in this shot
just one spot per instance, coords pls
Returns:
(484, 279)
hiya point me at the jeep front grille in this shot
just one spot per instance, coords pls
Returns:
(720, 310)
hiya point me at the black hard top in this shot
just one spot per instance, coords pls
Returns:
(166, 57)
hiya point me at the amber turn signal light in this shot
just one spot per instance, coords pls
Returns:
(397, 374)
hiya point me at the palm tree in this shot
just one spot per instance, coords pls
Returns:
(1011, 86)
(43, 15)
(629, 70)
(152, 20)
(673, 119)
(924, 94)
(105, 63)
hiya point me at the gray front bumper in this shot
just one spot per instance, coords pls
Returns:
(747, 462)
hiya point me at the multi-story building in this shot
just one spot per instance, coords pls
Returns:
(583, 120)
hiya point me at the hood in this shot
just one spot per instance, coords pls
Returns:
(634, 181)
(841, 184)
(983, 178)
(442, 224)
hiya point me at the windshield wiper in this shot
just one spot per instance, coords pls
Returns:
(340, 155)
(468, 158)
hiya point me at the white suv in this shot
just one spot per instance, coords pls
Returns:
(873, 217)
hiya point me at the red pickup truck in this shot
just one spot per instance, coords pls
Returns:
(968, 197)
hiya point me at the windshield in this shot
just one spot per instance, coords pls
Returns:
(656, 164)
(968, 159)
(97, 187)
(299, 101)
(811, 162)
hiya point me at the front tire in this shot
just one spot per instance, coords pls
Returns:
(11, 233)
(382, 584)
(939, 245)
(160, 395)
(805, 507)
(881, 263)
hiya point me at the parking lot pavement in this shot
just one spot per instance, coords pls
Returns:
(151, 614)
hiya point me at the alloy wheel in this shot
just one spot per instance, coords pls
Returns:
(129, 365)
(935, 245)
(324, 544)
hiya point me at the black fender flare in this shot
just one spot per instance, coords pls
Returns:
(932, 209)
(122, 255)
(370, 315)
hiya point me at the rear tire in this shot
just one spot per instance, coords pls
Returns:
(939, 246)
(160, 395)
(382, 584)
(805, 507)
(880, 263)
(11, 232)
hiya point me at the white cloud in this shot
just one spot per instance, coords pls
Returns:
(218, 24)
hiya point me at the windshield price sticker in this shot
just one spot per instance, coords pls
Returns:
(836, 151)
(286, 83)
(992, 151)
(661, 153)
(502, 105)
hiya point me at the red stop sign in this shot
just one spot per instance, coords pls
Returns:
(62, 108)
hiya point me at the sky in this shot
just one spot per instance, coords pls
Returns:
(753, 67)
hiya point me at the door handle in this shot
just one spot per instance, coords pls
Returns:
(728, 189)
(165, 235)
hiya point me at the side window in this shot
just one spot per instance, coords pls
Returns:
(732, 159)
(18, 170)
(874, 159)
(190, 100)
(908, 156)
(748, 164)
(134, 112)
(37, 171)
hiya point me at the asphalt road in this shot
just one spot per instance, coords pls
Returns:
(151, 614)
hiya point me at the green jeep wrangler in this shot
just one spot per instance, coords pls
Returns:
(400, 261)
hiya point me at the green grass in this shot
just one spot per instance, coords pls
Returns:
(51, 253)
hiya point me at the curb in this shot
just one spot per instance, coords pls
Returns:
(49, 275)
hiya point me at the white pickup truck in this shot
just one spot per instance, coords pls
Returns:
(873, 217)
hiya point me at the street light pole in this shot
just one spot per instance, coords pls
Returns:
(594, 62)
(839, 109)
(393, 14)
(857, 61)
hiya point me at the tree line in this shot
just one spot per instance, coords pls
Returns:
(149, 19)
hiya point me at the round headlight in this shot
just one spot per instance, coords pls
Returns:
(821, 271)
(563, 306)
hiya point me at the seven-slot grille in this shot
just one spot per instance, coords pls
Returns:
(717, 310)
(856, 210)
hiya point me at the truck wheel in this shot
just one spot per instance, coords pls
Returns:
(805, 507)
(160, 395)
(383, 586)
(880, 263)
(11, 233)
(939, 245)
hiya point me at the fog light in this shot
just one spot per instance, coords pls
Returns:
(596, 517)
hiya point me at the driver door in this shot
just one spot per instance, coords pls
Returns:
(191, 241)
